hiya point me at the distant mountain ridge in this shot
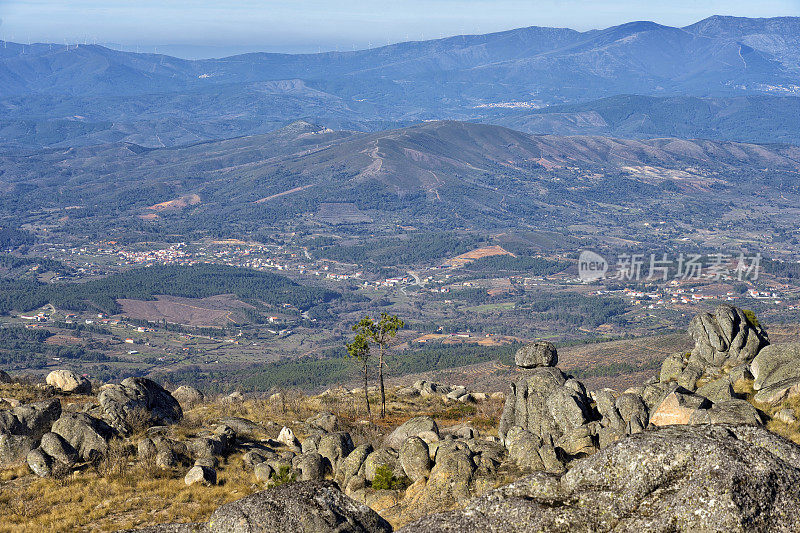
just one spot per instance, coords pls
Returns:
(52, 95)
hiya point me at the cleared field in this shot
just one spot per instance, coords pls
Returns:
(178, 203)
(494, 340)
(210, 312)
(486, 251)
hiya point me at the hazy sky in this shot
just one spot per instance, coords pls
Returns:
(207, 28)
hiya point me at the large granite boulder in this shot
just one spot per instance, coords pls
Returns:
(541, 353)
(548, 403)
(678, 408)
(87, 435)
(351, 465)
(304, 507)
(69, 381)
(776, 370)
(725, 338)
(138, 401)
(673, 479)
(188, 396)
(335, 447)
(14, 448)
(423, 427)
(415, 459)
(32, 419)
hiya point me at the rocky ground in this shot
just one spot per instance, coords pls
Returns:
(707, 444)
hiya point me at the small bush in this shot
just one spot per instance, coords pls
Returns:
(386, 480)
(282, 476)
(752, 318)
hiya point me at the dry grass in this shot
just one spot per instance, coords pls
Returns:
(789, 431)
(122, 498)
(125, 491)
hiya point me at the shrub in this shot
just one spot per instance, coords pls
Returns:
(386, 480)
(751, 317)
(282, 476)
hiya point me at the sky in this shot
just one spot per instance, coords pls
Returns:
(195, 28)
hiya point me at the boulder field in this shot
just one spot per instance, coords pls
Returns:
(689, 450)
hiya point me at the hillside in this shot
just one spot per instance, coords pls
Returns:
(721, 420)
(438, 173)
(54, 95)
(764, 119)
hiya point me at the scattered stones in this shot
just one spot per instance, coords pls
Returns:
(538, 354)
(69, 381)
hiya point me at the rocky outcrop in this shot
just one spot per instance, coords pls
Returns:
(309, 506)
(32, 420)
(536, 354)
(87, 435)
(68, 381)
(138, 401)
(677, 478)
(725, 338)
(678, 408)
(554, 407)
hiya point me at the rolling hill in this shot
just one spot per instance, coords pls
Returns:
(442, 174)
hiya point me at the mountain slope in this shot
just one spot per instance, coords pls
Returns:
(749, 118)
(437, 174)
(70, 96)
